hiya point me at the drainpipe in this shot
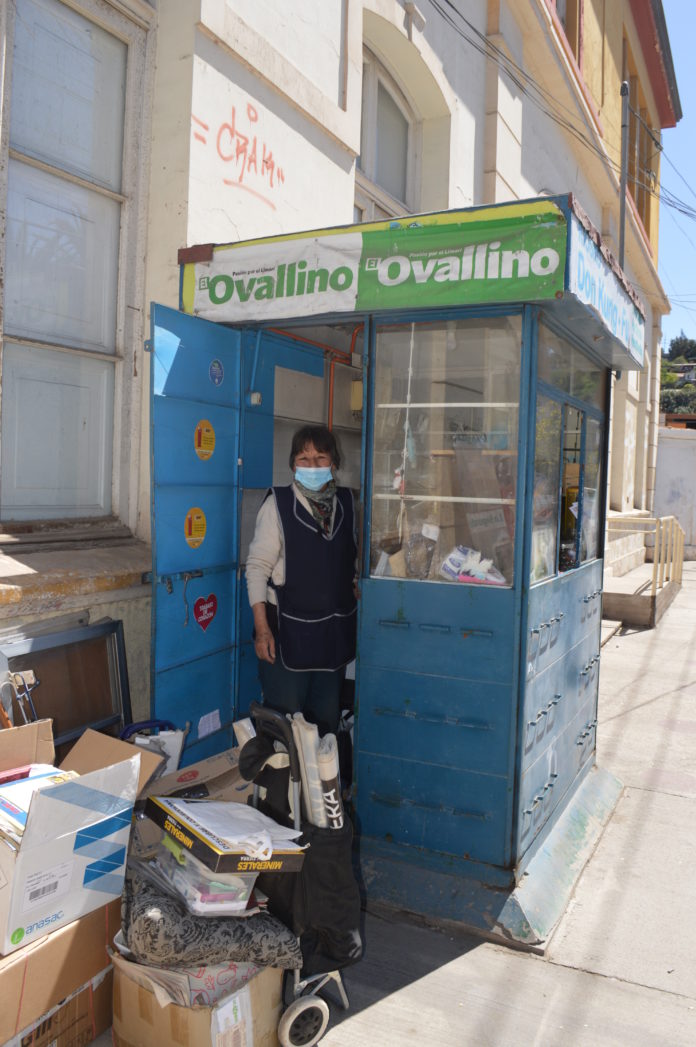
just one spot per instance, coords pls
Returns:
(624, 170)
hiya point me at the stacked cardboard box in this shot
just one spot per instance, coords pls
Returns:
(143, 1016)
(57, 990)
(148, 1006)
(56, 986)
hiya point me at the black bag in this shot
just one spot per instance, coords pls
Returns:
(321, 903)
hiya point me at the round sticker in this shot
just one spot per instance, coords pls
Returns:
(17, 936)
(194, 528)
(216, 372)
(187, 776)
(204, 610)
(204, 440)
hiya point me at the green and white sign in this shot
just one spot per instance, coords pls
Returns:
(509, 253)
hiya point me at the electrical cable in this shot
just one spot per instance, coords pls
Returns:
(550, 106)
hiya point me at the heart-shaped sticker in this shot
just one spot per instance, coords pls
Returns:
(204, 610)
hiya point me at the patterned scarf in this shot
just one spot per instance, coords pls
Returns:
(320, 502)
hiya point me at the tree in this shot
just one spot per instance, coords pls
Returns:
(678, 401)
(668, 378)
(682, 347)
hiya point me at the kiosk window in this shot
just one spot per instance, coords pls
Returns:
(591, 502)
(547, 462)
(569, 370)
(444, 438)
(571, 483)
(567, 454)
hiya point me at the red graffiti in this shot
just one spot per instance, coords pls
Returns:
(254, 167)
(234, 146)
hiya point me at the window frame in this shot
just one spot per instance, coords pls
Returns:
(639, 143)
(368, 192)
(483, 318)
(129, 22)
(590, 411)
(571, 22)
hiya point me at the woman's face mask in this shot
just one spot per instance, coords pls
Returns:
(313, 468)
(313, 479)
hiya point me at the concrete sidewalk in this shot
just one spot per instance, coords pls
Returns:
(620, 970)
(621, 966)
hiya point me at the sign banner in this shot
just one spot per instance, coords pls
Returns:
(508, 253)
(595, 284)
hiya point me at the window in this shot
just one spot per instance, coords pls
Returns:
(444, 473)
(547, 463)
(643, 143)
(567, 493)
(570, 16)
(67, 234)
(385, 167)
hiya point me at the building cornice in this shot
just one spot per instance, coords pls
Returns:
(651, 27)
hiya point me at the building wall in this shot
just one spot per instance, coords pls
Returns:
(252, 126)
(675, 492)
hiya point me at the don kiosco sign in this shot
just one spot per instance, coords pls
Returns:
(598, 286)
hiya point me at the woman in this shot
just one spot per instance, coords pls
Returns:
(301, 579)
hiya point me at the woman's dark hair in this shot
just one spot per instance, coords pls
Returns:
(322, 438)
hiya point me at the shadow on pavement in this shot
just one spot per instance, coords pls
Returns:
(399, 950)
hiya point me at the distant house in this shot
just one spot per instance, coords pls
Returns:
(686, 372)
(673, 420)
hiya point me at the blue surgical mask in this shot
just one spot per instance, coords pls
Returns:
(313, 479)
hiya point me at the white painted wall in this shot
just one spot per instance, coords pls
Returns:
(309, 35)
(257, 165)
(675, 490)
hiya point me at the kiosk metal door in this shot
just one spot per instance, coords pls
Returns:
(195, 417)
(220, 437)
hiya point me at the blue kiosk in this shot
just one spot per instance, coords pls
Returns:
(464, 360)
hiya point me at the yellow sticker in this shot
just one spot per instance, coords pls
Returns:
(194, 528)
(204, 440)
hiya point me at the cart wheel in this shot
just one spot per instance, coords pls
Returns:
(304, 1023)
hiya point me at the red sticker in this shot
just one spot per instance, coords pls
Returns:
(187, 776)
(204, 610)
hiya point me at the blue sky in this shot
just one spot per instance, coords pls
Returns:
(677, 252)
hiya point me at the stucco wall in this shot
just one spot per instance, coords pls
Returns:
(675, 491)
(258, 166)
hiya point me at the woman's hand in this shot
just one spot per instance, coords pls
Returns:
(264, 643)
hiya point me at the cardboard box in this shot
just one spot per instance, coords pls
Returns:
(77, 1021)
(247, 1018)
(190, 986)
(215, 778)
(37, 978)
(192, 834)
(72, 856)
